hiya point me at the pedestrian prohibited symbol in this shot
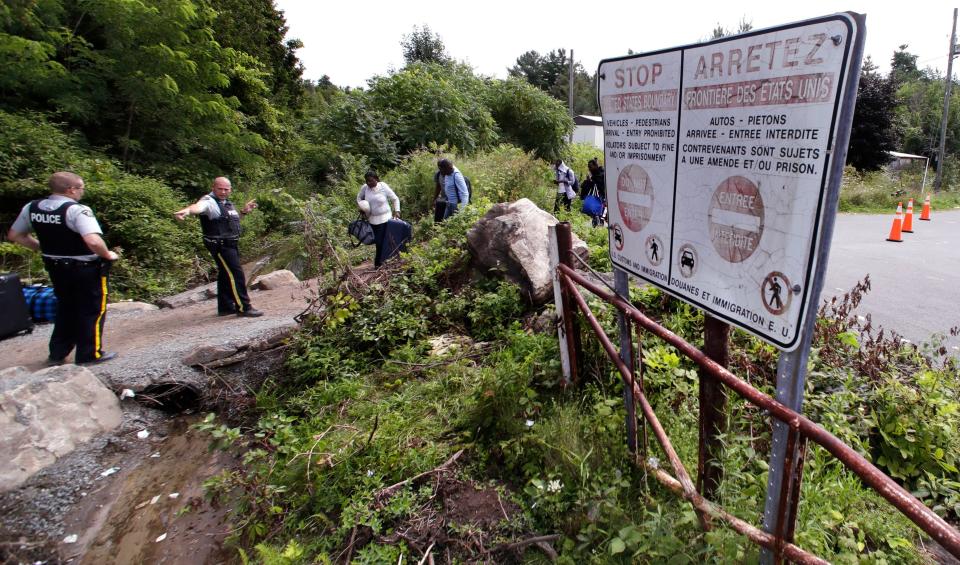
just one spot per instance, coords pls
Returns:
(736, 218)
(635, 197)
(654, 250)
(775, 292)
(687, 260)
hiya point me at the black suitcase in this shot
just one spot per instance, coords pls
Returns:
(395, 238)
(16, 315)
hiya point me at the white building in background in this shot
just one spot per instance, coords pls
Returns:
(589, 129)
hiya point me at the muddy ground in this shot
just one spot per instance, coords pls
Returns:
(111, 500)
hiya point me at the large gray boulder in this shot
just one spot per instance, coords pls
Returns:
(188, 297)
(124, 307)
(276, 279)
(46, 415)
(512, 239)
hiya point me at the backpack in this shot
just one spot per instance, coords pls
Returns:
(466, 181)
(575, 183)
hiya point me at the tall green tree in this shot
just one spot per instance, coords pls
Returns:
(434, 103)
(921, 112)
(551, 73)
(30, 38)
(148, 81)
(423, 46)
(903, 66)
(257, 28)
(875, 129)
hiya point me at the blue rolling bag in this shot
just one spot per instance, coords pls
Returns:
(41, 302)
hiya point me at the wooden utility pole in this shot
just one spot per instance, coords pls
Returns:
(941, 155)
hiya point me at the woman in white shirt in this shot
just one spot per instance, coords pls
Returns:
(375, 199)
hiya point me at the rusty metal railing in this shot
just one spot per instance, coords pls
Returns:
(801, 430)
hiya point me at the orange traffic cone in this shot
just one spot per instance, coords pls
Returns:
(897, 220)
(908, 219)
(925, 214)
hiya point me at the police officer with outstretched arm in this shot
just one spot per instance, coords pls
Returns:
(78, 262)
(220, 222)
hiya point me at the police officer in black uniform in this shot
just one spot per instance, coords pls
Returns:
(78, 262)
(220, 221)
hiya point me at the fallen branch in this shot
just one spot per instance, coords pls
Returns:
(388, 491)
(530, 541)
(426, 555)
(240, 357)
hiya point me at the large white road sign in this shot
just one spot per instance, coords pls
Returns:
(717, 157)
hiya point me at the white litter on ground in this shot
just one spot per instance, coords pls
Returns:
(72, 538)
(161, 538)
(143, 434)
(109, 471)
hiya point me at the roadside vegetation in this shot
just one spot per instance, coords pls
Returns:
(394, 375)
(419, 408)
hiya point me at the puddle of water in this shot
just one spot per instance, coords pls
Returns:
(121, 522)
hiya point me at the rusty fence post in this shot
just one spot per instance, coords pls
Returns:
(559, 301)
(621, 283)
(713, 407)
(566, 306)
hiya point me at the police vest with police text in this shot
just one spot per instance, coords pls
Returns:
(54, 235)
(227, 226)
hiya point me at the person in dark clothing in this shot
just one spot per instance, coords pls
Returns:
(596, 180)
(78, 262)
(451, 189)
(220, 222)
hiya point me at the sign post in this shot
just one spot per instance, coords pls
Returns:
(724, 161)
(717, 155)
(780, 512)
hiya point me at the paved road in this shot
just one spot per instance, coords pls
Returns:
(915, 284)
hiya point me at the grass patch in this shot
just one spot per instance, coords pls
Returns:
(878, 192)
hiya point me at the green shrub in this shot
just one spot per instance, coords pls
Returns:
(431, 103)
(135, 213)
(529, 117)
(31, 148)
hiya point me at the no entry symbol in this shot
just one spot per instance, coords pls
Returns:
(736, 218)
(635, 197)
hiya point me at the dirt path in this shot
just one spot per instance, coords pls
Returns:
(151, 340)
(118, 517)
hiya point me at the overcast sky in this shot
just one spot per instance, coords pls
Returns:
(352, 41)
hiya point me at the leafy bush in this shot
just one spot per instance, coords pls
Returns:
(31, 148)
(427, 103)
(501, 174)
(134, 212)
(529, 117)
(355, 125)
